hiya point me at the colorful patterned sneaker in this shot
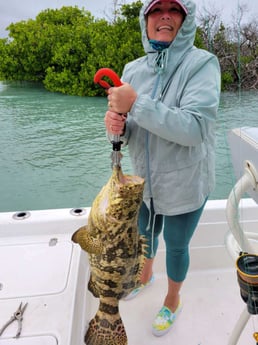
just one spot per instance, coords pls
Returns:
(139, 289)
(165, 320)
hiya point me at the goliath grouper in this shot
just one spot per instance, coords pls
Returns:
(116, 253)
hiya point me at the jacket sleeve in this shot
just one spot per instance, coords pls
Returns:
(197, 100)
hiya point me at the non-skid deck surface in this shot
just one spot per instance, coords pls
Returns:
(211, 308)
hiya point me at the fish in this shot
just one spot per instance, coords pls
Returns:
(116, 253)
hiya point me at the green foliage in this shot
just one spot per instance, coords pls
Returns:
(226, 80)
(63, 49)
(246, 60)
(131, 12)
(198, 42)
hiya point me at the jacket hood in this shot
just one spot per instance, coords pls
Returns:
(185, 36)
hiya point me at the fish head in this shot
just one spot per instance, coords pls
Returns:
(124, 196)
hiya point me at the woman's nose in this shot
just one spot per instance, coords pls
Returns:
(165, 15)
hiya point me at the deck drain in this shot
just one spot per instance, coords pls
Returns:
(21, 215)
(78, 212)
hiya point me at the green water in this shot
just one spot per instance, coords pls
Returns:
(54, 152)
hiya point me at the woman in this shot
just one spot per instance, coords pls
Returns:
(171, 97)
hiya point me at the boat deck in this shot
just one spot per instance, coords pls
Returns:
(211, 308)
(210, 295)
(44, 268)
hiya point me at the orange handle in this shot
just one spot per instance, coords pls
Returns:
(106, 72)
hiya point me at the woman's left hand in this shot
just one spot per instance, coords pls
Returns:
(121, 99)
(115, 123)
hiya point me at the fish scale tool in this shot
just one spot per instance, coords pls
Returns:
(116, 155)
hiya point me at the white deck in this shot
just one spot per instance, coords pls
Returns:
(52, 276)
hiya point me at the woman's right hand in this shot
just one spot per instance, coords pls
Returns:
(115, 123)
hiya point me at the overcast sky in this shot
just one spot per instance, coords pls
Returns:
(12, 11)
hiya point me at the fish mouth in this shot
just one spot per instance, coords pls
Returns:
(165, 27)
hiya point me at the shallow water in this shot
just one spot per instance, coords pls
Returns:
(54, 152)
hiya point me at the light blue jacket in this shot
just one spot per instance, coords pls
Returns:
(170, 129)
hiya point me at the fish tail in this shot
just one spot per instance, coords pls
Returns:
(106, 327)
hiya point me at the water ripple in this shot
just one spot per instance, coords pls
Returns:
(54, 151)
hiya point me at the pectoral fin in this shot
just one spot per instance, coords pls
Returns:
(86, 241)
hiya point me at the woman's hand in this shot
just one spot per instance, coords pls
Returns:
(115, 123)
(121, 99)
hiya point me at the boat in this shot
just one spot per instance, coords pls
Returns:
(42, 267)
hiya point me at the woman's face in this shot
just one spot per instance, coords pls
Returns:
(164, 20)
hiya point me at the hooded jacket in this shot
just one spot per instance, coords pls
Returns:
(170, 129)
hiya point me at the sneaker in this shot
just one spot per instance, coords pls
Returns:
(139, 289)
(165, 320)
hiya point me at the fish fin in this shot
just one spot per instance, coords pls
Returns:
(142, 252)
(86, 241)
(143, 245)
(92, 287)
(106, 329)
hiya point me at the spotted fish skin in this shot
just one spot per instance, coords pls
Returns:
(116, 254)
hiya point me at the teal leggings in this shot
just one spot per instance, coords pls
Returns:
(177, 232)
